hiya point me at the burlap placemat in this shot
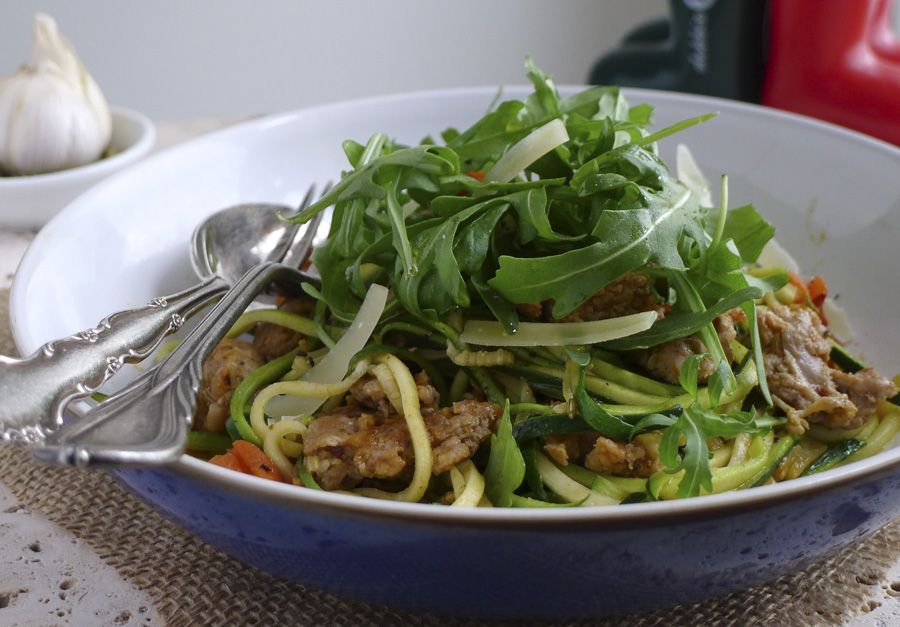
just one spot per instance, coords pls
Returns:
(194, 584)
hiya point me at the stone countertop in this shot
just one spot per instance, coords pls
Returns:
(49, 575)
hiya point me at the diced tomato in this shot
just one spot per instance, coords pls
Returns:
(478, 175)
(800, 284)
(257, 461)
(230, 461)
(817, 290)
(249, 459)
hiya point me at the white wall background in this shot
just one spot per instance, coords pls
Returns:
(196, 58)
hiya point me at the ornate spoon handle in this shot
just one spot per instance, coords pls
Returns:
(34, 391)
(147, 422)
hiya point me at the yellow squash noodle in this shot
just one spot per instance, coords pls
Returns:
(299, 388)
(468, 484)
(275, 442)
(282, 318)
(486, 359)
(388, 384)
(418, 434)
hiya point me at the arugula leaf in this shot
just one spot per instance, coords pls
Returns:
(532, 208)
(550, 424)
(543, 104)
(612, 204)
(630, 239)
(682, 324)
(721, 380)
(505, 468)
(657, 421)
(533, 479)
(579, 217)
(596, 416)
(750, 311)
(689, 374)
(749, 231)
(472, 243)
(630, 161)
(706, 333)
(695, 425)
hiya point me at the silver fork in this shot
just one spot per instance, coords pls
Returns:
(75, 367)
(147, 422)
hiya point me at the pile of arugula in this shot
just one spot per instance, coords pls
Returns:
(421, 220)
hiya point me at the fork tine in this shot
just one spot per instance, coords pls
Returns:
(304, 238)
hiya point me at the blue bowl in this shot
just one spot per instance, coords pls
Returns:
(516, 564)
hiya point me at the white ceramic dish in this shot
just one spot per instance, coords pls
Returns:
(830, 192)
(28, 202)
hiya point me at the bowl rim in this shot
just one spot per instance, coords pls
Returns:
(642, 514)
(533, 519)
(124, 157)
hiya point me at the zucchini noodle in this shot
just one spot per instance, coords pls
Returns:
(459, 385)
(275, 443)
(499, 357)
(302, 364)
(881, 436)
(334, 364)
(303, 389)
(577, 326)
(722, 456)
(386, 378)
(250, 319)
(800, 458)
(468, 485)
(739, 448)
(567, 488)
(723, 479)
(421, 441)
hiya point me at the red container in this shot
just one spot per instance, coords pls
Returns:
(838, 61)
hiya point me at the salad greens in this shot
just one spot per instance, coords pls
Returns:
(454, 245)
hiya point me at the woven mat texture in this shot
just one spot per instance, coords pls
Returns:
(193, 584)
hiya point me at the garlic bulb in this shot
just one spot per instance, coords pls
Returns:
(53, 115)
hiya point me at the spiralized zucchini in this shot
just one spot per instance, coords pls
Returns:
(420, 439)
(541, 302)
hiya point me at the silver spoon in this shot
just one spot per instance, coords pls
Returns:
(146, 423)
(34, 391)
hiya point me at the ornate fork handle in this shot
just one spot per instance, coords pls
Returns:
(34, 391)
(147, 422)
